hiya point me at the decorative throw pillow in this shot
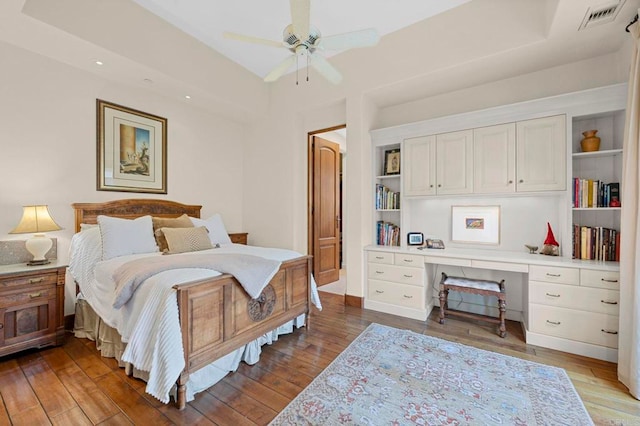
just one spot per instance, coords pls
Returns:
(121, 237)
(168, 222)
(217, 232)
(182, 240)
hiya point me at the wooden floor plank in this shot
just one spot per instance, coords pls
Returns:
(219, 412)
(52, 394)
(253, 409)
(74, 417)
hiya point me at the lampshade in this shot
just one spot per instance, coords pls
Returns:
(36, 219)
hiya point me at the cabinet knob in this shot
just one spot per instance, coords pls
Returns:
(553, 275)
(609, 331)
(408, 276)
(553, 322)
(608, 281)
(552, 295)
(430, 186)
(520, 181)
(609, 302)
(380, 272)
(36, 280)
(439, 185)
(34, 295)
(379, 291)
(510, 182)
(407, 297)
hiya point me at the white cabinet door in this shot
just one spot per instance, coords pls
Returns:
(494, 159)
(419, 166)
(454, 162)
(541, 146)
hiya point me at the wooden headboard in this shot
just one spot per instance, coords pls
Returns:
(131, 209)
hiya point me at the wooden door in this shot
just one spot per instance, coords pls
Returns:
(326, 210)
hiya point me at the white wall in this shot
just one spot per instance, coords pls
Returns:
(48, 146)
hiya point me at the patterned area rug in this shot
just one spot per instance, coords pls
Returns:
(393, 377)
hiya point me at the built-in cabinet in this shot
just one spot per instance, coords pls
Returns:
(387, 197)
(515, 156)
(525, 156)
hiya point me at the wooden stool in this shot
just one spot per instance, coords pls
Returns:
(473, 286)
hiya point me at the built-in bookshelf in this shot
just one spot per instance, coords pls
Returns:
(387, 195)
(596, 183)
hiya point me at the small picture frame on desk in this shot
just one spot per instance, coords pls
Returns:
(392, 162)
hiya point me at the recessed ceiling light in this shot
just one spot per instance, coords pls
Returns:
(187, 96)
(99, 63)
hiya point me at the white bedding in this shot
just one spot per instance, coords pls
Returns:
(149, 322)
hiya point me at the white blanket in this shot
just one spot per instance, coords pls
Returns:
(149, 323)
(252, 272)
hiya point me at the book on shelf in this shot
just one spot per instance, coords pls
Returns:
(386, 199)
(596, 243)
(387, 234)
(589, 193)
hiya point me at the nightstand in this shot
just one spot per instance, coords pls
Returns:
(31, 306)
(239, 237)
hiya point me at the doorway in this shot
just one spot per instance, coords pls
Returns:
(326, 176)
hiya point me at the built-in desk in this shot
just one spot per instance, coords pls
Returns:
(567, 304)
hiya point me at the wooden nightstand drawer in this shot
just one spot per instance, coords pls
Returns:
(30, 280)
(26, 295)
(239, 238)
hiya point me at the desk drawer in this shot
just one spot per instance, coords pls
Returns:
(554, 274)
(588, 327)
(396, 294)
(569, 296)
(380, 257)
(411, 260)
(600, 279)
(398, 274)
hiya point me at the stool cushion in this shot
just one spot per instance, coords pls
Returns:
(472, 283)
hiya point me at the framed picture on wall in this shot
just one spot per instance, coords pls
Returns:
(392, 162)
(475, 224)
(131, 151)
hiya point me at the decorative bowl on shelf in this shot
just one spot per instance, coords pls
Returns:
(590, 142)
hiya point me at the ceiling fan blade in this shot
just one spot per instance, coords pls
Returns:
(362, 38)
(277, 72)
(300, 11)
(250, 39)
(327, 70)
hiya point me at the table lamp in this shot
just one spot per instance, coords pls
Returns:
(36, 219)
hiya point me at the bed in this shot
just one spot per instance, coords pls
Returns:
(208, 312)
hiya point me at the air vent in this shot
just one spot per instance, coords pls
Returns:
(601, 14)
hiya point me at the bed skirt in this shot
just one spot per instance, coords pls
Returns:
(88, 325)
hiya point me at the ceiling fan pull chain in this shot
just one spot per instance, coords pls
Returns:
(296, 69)
(307, 67)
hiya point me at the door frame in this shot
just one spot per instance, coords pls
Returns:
(310, 136)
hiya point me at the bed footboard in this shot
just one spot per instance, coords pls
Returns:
(217, 316)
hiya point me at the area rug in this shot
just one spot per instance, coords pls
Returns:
(389, 376)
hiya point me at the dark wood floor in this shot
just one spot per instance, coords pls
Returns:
(74, 385)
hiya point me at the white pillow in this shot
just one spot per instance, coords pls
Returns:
(217, 232)
(121, 237)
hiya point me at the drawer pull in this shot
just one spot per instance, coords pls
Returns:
(408, 260)
(609, 302)
(554, 322)
(36, 280)
(553, 275)
(552, 295)
(34, 295)
(379, 291)
(380, 272)
(609, 331)
(608, 281)
(408, 276)
(407, 297)
(380, 257)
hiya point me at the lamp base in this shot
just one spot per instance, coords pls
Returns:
(38, 262)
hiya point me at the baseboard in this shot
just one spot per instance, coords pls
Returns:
(354, 301)
(69, 320)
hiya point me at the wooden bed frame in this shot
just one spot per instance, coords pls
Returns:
(216, 314)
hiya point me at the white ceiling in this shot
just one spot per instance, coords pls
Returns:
(206, 20)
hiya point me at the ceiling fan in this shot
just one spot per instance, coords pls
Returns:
(304, 40)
